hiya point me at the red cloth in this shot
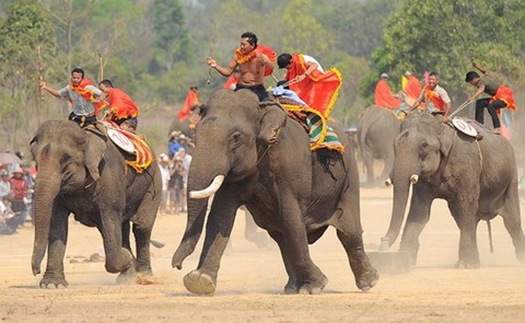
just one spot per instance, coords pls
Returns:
(87, 94)
(19, 187)
(192, 98)
(231, 82)
(506, 95)
(383, 97)
(319, 90)
(121, 104)
(413, 87)
(268, 51)
(434, 98)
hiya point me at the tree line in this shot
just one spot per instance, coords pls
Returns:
(156, 49)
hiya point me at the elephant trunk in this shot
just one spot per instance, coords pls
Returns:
(402, 179)
(201, 185)
(196, 215)
(46, 190)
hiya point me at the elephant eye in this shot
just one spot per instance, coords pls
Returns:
(65, 158)
(236, 139)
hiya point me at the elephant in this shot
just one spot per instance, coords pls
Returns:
(186, 126)
(477, 178)
(67, 158)
(376, 132)
(250, 153)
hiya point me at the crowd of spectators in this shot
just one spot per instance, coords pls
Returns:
(174, 168)
(17, 181)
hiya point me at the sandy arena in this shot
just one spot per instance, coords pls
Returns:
(251, 279)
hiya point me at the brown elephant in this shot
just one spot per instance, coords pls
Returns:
(478, 179)
(376, 131)
(253, 155)
(82, 174)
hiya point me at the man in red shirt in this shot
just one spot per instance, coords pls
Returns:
(19, 188)
(122, 110)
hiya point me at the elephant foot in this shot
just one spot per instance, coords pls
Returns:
(127, 277)
(291, 287)
(521, 256)
(50, 281)
(467, 265)
(314, 287)
(199, 283)
(368, 279)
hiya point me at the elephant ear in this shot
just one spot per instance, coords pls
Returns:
(273, 118)
(95, 147)
(446, 139)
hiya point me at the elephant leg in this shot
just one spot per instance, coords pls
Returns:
(349, 232)
(54, 274)
(291, 285)
(512, 221)
(368, 161)
(464, 213)
(118, 258)
(125, 235)
(417, 218)
(203, 280)
(142, 228)
(309, 278)
(388, 165)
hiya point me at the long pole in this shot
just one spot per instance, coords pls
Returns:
(100, 67)
(40, 72)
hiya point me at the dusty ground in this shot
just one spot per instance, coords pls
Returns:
(251, 280)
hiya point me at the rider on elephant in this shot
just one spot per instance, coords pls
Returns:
(306, 77)
(384, 98)
(411, 86)
(85, 97)
(500, 97)
(254, 62)
(435, 97)
(192, 99)
(121, 108)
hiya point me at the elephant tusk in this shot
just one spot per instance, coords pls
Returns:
(388, 182)
(414, 178)
(208, 191)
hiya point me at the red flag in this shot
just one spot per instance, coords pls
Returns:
(192, 98)
(319, 90)
(412, 87)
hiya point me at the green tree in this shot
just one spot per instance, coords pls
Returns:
(172, 38)
(24, 30)
(303, 32)
(444, 36)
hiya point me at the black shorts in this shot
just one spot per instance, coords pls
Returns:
(83, 120)
(259, 90)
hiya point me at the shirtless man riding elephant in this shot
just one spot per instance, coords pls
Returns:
(253, 61)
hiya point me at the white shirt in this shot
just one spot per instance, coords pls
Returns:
(310, 59)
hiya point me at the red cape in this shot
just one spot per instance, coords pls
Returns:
(413, 87)
(383, 97)
(192, 99)
(319, 90)
(121, 104)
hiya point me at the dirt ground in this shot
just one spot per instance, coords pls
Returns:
(251, 280)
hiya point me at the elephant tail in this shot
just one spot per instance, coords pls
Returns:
(489, 228)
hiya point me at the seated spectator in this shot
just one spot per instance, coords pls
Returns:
(8, 220)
